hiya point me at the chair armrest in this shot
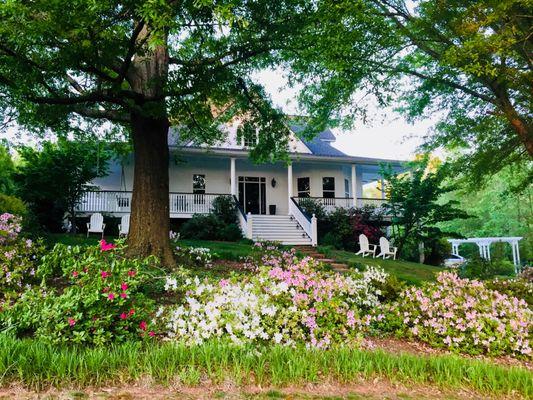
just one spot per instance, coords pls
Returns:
(119, 227)
(375, 246)
(88, 225)
(103, 226)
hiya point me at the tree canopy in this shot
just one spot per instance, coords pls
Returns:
(144, 65)
(416, 204)
(52, 180)
(467, 62)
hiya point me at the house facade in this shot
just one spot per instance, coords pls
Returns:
(267, 195)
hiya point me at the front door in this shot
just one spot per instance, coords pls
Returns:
(252, 194)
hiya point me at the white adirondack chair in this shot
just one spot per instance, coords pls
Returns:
(124, 226)
(96, 224)
(386, 249)
(365, 247)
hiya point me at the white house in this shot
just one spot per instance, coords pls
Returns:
(198, 174)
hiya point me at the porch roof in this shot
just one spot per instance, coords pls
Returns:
(243, 153)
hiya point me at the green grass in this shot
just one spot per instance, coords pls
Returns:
(38, 365)
(226, 250)
(410, 272)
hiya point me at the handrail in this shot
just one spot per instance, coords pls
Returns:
(309, 225)
(239, 207)
(308, 217)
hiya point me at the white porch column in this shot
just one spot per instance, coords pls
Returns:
(233, 180)
(289, 185)
(513, 247)
(354, 186)
(517, 254)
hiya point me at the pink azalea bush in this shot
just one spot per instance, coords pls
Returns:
(289, 301)
(101, 301)
(463, 315)
(18, 260)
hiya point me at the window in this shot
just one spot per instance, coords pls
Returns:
(198, 184)
(249, 138)
(328, 187)
(346, 188)
(304, 187)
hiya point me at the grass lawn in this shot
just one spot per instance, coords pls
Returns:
(38, 365)
(407, 271)
(410, 272)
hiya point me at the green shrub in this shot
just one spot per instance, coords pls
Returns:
(225, 210)
(310, 206)
(98, 298)
(12, 205)
(210, 227)
(480, 268)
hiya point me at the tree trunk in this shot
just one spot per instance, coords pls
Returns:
(150, 215)
(421, 252)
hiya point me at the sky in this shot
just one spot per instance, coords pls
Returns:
(386, 134)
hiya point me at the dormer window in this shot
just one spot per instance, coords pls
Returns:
(249, 139)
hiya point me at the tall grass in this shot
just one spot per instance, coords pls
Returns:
(38, 365)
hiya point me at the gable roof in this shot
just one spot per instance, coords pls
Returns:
(320, 144)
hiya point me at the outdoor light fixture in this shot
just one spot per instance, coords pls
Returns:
(273, 182)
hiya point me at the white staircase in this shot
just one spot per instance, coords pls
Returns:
(279, 228)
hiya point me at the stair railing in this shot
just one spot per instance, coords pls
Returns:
(245, 221)
(309, 224)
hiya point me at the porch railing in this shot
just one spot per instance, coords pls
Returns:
(120, 202)
(331, 203)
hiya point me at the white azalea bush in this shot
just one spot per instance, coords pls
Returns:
(289, 301)
(194, 256)
(463, 315)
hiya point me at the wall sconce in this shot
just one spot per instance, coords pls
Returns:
(273, 182)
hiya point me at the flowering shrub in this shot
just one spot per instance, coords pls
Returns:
(18, 257)
(288, 301)
(194, 256)
(517, 287)
(10, 226)
(463, 315)
(101, 302)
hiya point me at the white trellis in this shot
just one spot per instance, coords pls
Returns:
(484, 246)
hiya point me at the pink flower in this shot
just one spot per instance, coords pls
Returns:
(142, 325)
(223, 282)
(71, 321)
(75, 274)
(111, 296)
(131, 312)
(105, 274)
(124, 287)
(104, 246)
(123, 295)
(151, 333)
(131, 273)
(123, 316)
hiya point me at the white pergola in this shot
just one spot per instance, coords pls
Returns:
(484, 246)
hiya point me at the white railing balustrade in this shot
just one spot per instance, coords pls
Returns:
(120, 202)
(332, 203)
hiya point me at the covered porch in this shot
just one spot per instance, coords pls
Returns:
(258, 189)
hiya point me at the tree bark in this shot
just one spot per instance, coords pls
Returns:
(150, 215)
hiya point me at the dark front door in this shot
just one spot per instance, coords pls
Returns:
(252, 197)
(252, 194)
